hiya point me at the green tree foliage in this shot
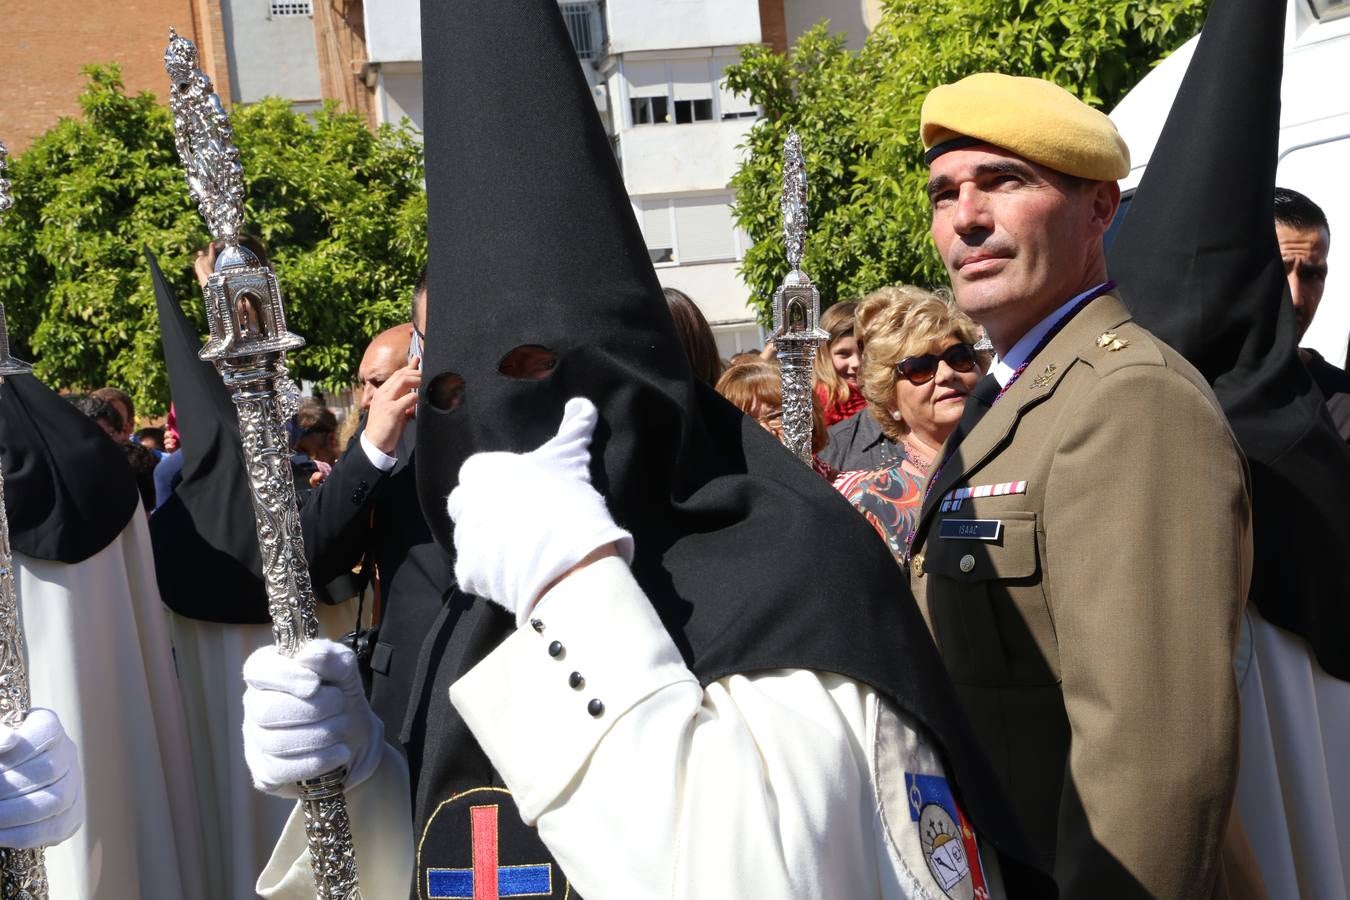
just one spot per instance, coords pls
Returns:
(341, 209)
(858, 116)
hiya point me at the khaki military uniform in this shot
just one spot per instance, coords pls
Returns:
(1086, 601)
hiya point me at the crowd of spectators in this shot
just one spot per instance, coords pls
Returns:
(312, 433)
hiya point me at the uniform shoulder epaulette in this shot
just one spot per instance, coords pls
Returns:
(1121, 347)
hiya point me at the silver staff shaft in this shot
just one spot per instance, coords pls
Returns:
(248, 345)
(796, 310)
(21, 871)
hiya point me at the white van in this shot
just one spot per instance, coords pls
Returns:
(1314, 139)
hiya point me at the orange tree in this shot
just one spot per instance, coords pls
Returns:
(858, 116)
(341, 209)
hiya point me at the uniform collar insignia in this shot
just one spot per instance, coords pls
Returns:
(1047, 375)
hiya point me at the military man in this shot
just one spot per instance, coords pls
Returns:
(1084, 549)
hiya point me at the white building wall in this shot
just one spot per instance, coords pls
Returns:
(672, 159)
(853, 18)
(679, 137)
(394, 30)
(271, 55)
(673, 24)
(398, 93)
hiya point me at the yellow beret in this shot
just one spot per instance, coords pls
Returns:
(1035, 119)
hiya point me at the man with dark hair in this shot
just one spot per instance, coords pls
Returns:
(1305, 240)
(121, 401)
(101, 411)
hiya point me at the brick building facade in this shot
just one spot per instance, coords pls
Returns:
(46, 43)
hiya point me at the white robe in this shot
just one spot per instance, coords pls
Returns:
(241, 824)
(1293, 787)
(777, 784)
(99, 655)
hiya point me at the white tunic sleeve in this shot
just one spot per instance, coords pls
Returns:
(381, 835)
(644, 784)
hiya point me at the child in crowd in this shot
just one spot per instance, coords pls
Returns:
(837, 364)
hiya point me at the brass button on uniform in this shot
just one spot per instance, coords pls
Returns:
(967, 563)
(917, 564)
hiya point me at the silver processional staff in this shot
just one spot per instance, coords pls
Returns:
(21, 871)
(248, 345)
(796, 309)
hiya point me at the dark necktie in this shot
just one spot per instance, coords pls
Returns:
(976, 406)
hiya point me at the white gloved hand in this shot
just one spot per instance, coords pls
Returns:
(305, 716)
(522, 520)
(41, 787)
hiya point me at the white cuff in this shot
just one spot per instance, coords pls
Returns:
(521, 704)
(378, 458)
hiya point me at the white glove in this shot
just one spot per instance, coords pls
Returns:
(305, 716)
(522, 520)
(41, 788)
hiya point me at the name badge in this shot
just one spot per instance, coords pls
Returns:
(971, 529)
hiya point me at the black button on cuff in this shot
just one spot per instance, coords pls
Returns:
(576, 681)
(537, 625)
(595, 708)
(555, 649)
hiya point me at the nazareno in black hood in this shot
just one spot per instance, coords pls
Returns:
(1198, 264)
(751, 560)
(69, 491)
(205, 536)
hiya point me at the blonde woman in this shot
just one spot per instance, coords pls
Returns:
(919, 365)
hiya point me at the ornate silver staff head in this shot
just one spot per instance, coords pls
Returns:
(243, 301)
(796, 308)
(8, 364)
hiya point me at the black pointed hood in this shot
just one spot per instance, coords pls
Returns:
(751, 560)
(68, 488)
(1198, 264)
(205, 537)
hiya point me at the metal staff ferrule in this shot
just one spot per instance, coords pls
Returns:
(796, 310)
(22, 873)
(247, 345)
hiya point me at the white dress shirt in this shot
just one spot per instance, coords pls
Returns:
(378, 458)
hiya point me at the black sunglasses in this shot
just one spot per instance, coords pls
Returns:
(922, 369)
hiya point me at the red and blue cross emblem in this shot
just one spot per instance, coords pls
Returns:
(488, 879)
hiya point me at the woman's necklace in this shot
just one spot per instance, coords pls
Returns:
(921, 463)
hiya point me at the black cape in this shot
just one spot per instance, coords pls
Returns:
(205, 538)
(69, 491)
(751, 560)
(1198, 264)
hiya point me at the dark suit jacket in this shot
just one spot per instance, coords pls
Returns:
(360, 510)
(1334, 384)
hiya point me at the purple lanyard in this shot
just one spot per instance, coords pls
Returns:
(1050, 335)
(1044, 342)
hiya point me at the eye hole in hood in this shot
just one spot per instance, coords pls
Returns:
(528, 362)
